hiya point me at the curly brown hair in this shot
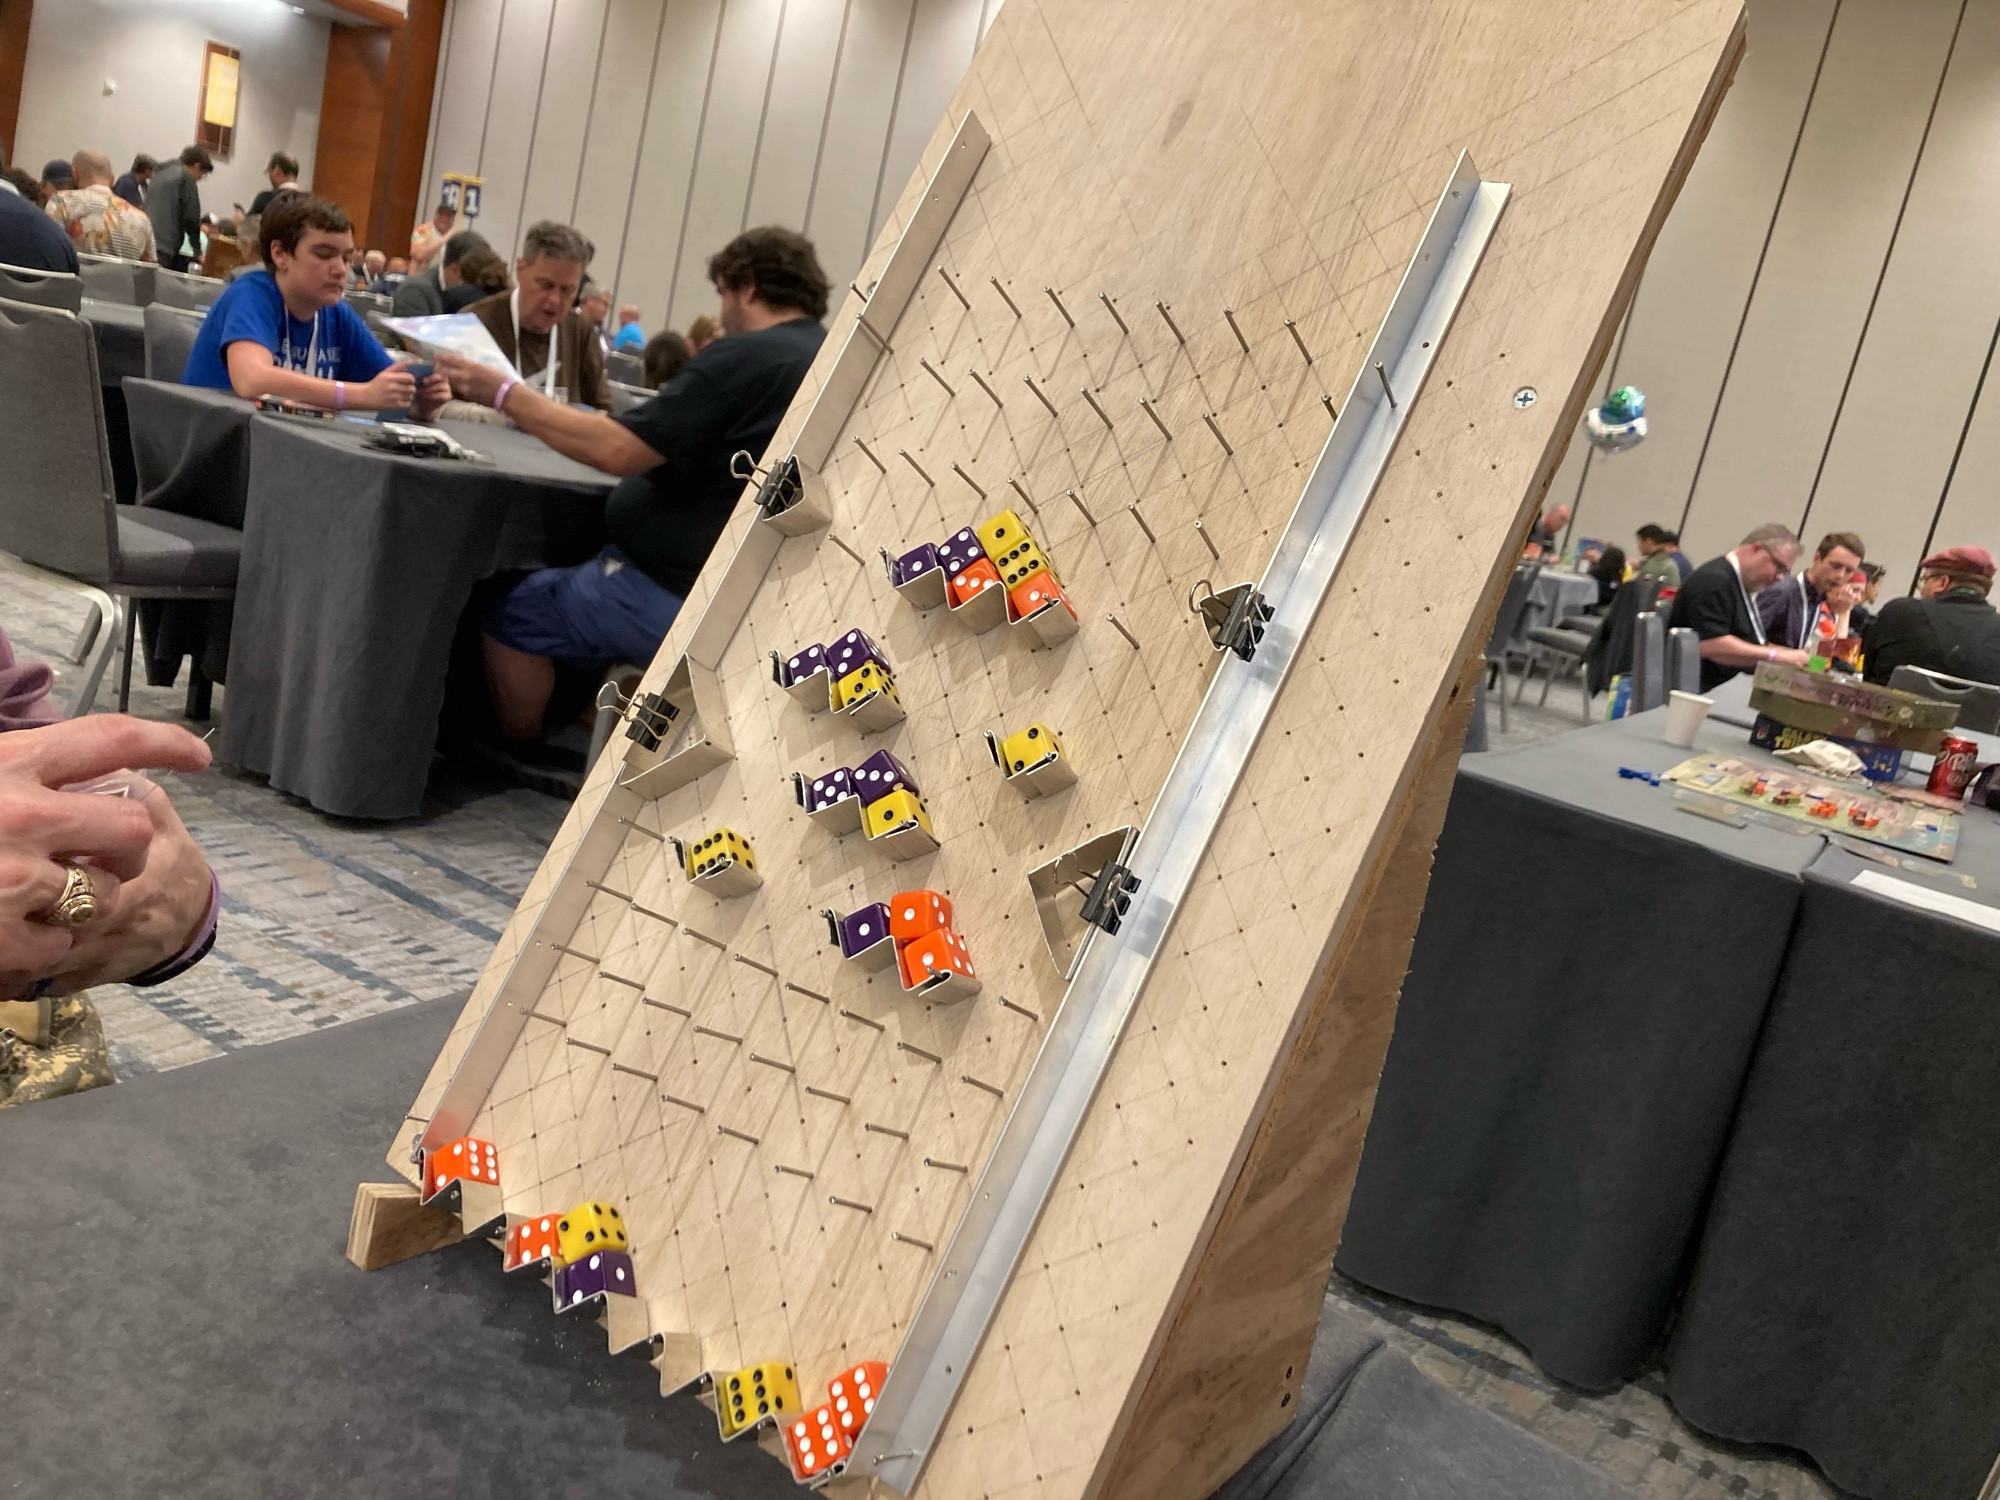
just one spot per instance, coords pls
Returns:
(780, 266)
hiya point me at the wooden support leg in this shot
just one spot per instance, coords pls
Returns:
(389, 1225)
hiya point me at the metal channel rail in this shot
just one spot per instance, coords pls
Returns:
(965, 1292)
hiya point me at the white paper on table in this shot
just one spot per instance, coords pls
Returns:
(1922, 896)
(455, 333)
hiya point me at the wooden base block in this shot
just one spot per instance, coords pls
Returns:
(389, 1225)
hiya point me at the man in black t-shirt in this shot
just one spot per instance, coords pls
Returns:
(1715, 604)
(676, 492)
(1947, 626)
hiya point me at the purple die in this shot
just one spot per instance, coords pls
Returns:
(829, 788)
(962, 549)
(863, 929)
(599, 1272)
(915, 563)
(850, 651)
(802, 666)
(882, 774)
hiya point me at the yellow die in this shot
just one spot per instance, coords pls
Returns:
(588, 1227)
(1000, 534)
(761, 1393)
(867, 678)
(1029, 747)
(720, 848)
(1021, 562)
(893, 811)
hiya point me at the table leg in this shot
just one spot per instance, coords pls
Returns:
(200, 693)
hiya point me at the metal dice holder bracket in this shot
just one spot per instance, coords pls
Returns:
(1133, 901)
(1047, 776)
(908, 840)
(680, 733)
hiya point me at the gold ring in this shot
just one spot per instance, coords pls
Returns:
(78, 902)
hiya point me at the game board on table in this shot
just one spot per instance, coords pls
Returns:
(1903, 818)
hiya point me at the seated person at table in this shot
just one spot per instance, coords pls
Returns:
(555, 348)
(1661, 557)
(97, 222)
(284, 331)
(673, 453)
(30, 239)
(424, 296)
(480, 272)
(630, 338)
(1790, 608)
(667, 354)
(1715, 604)
(1947, 627)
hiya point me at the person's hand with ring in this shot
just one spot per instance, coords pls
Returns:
(54, 844)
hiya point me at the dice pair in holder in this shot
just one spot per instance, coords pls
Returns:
(912, 930)
(880, 797)
(851, 676)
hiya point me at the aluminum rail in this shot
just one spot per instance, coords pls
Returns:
(965, 1292)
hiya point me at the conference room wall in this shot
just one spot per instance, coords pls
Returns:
(1812, 327)
(153, 54)
(662, 128)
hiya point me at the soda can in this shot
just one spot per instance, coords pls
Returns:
(1951, 773)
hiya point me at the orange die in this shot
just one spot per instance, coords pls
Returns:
(852, 1395)
(815, 1442)
(972, 580)
(530, 1242)
(1035, 592)
(912, 914)
(465, 1159)
(934, 953)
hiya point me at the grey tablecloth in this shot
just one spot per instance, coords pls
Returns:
(1554, 597)
(1562, 1096)
(356, 566)
(1846, 1298)
(191, 452)
(1585, 991)
(180, 1321)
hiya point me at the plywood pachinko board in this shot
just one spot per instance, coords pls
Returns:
(1137, 291)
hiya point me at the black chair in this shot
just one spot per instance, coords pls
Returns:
(58, 511)
(627, 369)
(109, 279)
(170, 336)
(1610, 650)
(1978, 702)
(178, 289)
(42, 288)
(624, 397)
(1500, 647)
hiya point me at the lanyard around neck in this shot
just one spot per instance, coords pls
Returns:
(555, 344)
(1756, 621)
(312, 349)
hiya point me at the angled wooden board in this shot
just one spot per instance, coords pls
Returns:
(1277, 161)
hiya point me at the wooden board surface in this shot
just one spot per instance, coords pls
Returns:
(1276, 160)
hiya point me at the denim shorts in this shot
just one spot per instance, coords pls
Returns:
(602, 611)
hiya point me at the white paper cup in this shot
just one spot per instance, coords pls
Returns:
(1685, 711)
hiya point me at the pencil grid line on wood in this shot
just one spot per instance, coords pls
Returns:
(1075, 194)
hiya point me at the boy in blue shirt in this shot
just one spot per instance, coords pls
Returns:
(284, 331)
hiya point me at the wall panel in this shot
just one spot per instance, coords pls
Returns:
(564, 110)
(465, 83)
(724, 147)
(690, 33)
(1832, 233)
(840, 216)
(512, 112)
(795, 112)
(1697, 286)
(618, 117)
(1885, 468)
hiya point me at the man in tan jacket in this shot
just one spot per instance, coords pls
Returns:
(539, 317)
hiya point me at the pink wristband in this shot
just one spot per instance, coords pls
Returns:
(500, 396)
(340, 395)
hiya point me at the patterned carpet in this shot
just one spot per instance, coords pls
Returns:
(323, 920)
(327, 920)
